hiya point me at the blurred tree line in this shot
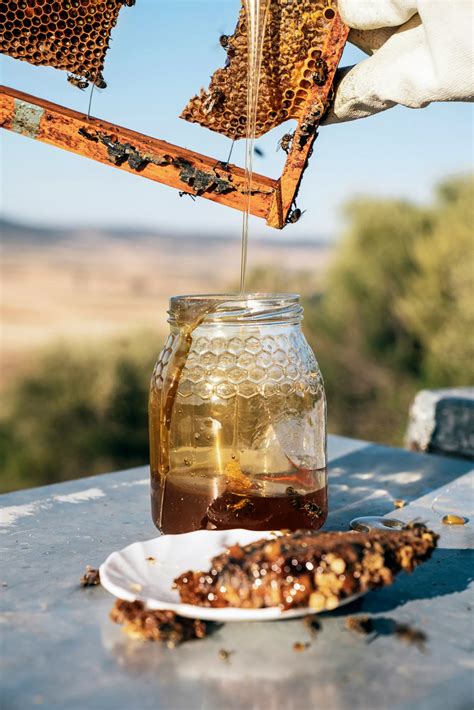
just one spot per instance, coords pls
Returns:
(397, 311)
(395, 315)
(78, 412)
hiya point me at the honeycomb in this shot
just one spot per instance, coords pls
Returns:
(72, 34)
(295, 45)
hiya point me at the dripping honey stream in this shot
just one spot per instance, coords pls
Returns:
(257, 12)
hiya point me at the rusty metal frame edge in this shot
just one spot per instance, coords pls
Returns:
(163, 162)
(298, 157)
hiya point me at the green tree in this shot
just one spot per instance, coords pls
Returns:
(79, 412)
(396, 310)
(51, 428)
(438, 306)
(126, 421)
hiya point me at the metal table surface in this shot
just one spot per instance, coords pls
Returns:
(59, 649)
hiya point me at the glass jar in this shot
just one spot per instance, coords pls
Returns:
(237, 418)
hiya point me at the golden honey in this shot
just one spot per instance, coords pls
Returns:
(237, 418)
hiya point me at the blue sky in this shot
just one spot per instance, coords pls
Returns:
(162, 52)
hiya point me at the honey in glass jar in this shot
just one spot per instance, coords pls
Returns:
(237, 418)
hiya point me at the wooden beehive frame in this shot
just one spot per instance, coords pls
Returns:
(157, 160)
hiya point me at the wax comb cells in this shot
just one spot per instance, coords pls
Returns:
(72, 34)
(295, 50)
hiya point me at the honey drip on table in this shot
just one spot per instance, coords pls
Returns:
(452, 519)
(257, 12)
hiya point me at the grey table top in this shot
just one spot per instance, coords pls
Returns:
(59, 650)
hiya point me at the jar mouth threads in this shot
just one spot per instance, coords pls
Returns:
(252, 296)
(233, 307)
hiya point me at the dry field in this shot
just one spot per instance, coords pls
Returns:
(90, 286)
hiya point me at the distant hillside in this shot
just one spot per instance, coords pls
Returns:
(13, 233)
(79, 285)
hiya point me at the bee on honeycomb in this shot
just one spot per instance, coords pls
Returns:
(294, 51)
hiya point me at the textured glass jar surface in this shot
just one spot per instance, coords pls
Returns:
(238, 429)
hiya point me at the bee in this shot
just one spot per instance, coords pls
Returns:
(316, 111)
(100, 83)
(78, 81)
(312, 510)
(224, 41)
(258, 151)
(294, 216)
(320, 74)
(215, 99)
(285, 142)
(309, 127)
(181, 193)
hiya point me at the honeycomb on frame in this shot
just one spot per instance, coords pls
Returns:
(294, 46)
(72, 34)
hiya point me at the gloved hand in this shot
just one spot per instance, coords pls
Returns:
(421, 51)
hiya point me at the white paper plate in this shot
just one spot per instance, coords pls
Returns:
(129, 575)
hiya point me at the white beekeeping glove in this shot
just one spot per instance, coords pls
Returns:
(421, 51)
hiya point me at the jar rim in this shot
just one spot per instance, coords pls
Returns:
(235, 307)
(246, 297)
